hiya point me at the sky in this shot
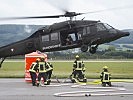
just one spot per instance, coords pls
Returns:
(121, 18)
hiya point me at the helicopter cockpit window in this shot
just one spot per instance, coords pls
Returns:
(100, 27)
(110, 28)
(54, 36)
(45, 38)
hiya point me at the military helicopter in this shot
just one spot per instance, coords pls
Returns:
(84, 34)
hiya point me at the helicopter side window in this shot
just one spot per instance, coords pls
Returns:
(45, 38)
(54, 36)
(73, 36)
(79, 35)
(69, 39)
(86, 30)
(100, 27)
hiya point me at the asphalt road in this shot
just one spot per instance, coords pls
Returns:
(18, 89)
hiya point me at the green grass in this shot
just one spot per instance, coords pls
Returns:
(93, 69)
(12, 69)
(64, 69)
(117, 69)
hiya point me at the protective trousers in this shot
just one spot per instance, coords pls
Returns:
(42, 75)
(49, 73)
(33, 78)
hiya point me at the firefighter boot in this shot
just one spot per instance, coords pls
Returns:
(84, 80)
(38, 83)
(48, 82)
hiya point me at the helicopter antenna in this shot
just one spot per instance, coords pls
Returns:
(83, 18)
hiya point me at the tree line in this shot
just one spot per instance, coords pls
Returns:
(99, 55)
(110, 53)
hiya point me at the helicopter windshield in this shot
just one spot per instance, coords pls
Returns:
(105, 27)
(108, 26)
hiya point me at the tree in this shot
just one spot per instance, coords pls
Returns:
(111, 48)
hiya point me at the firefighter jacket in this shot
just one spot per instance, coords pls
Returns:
(33, 67)
(41, 67)
(48, 66)
(78, 65)
(105, 76)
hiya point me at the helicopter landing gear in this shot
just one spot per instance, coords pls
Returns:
(92, 50)
(2, 61)
(84, 48)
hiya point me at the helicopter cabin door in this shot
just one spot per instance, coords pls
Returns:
(50, 41)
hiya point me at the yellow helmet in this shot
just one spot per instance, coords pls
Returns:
(42, 57)
(77, 56)
(38, 59)
(105, 67)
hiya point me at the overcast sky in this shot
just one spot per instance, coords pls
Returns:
(120, 19)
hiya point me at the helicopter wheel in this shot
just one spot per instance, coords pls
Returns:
(84, 48)
(92, 50)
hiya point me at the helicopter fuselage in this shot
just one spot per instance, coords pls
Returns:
(65, 35)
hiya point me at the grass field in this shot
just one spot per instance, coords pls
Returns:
(62, 69)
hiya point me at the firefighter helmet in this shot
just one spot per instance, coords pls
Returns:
(105, 67)
(77, 56)
(38, 59)
(43, 57)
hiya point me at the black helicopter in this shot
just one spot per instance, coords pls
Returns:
(84, 34)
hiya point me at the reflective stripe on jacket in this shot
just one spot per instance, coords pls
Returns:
(78, 65)
(48, 66)
(42, 67)
(106, 77)
(32, 67)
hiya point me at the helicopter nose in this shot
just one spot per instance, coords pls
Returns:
(126, 33)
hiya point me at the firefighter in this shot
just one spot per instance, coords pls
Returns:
(69, 40)
(49, 70)
(33, 69)
(78, 70)
(42, 71)
(105, 77)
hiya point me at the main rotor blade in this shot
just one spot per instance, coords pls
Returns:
(67, 14)
(32, 17)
